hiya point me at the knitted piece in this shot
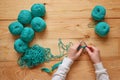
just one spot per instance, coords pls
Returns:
(38, 10)
(25, 17)
(20, 46)
(102, 29)
(98, 13)
(27, 34)
(15, 28)
(38, 24)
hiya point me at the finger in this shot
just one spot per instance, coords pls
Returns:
(88, 50)
(80, 51)
(77, 45)
(94, 47)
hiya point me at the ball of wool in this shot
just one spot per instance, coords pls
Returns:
(38, 24)
(15, 28)
(102, 29)
(27, 34)
(20, 46)
(98, 13)
(38, 10)
(34, 56)
(25, 17)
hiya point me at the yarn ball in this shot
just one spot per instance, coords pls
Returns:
(27, 34)
(25, 17)
(102, 29)
(38, 10)
(20, 46)
(98, 13)
(15, 28)
(34, 56)
(38, 24)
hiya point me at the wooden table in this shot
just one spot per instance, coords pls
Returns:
(66, 19)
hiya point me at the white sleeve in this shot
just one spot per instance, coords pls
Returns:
(101, 73)
(63, 69)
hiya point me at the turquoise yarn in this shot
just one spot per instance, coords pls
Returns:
(27, 34)
(20, 46)
(102, 29)
(25, 17)
(15, 28)
(38, 10)
(98, 13)
(38, 24)
(34, 56)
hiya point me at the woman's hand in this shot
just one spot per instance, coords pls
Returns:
(94, 54)
(73, 54)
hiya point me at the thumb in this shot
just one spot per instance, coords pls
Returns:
(80, 51)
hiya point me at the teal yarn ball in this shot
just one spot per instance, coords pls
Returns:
(98, 13)
(27, 34)
(25, 17)
(38, 24)
(20, 46)
(15, 28)
(38, 10)
(102, 29)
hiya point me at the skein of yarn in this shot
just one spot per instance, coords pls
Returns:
(27, 34)
(102, 29)
(38, 24)
(20, 46)
(38, 10)
(25, 17)
(15, 28)
(98, 13)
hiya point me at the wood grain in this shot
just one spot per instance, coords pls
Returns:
(66, 19)
(80, 70)
(60, 9)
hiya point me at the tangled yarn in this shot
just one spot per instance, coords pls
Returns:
(15, 28)
(38, 24)
(102, 29)
(37, 55)
(34, 56)
(27, 34)
(20, 46)
(98, 13)
(38, 10)
(25, 17)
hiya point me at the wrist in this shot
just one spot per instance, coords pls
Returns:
(71, 58)
(99, 66)
(96, 62)
(67, 61)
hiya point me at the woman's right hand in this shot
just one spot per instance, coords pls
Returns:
(94, 54)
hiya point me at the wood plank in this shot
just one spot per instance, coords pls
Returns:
(60, 9)
(108, 47)
(79, 70)
(65, 29)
